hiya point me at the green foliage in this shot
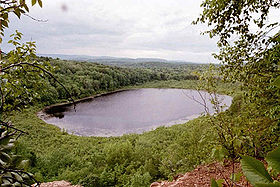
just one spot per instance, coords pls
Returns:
(255, 171)
(139, 180)
(22, 78)
(219, 153)
(277, 82)
(9, 176)
(119, 161)
(84, 79)
(19, 78)
(214, 183)
(234, 18)
(267, 185)
(243, 128)
(273, 159)
(17, 7)
(218, 183)
(257, 75)
(235, 177)
(251, 58)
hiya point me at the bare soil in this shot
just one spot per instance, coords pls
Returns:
(202, 175)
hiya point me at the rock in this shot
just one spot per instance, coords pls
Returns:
(155, 184)
(57, 184)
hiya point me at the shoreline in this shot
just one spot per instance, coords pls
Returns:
(57, 110)
(43, 113)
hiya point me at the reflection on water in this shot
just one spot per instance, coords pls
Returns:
(132, 111)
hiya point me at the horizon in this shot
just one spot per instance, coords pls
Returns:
(119, 57)
(139, 29)
(124, 29)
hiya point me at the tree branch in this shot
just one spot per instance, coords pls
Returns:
(35, 19)
(5, 69)
(206, 109)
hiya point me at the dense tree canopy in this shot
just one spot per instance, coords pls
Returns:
(249, 47)
(85, 78)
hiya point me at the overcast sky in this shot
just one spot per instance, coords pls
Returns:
(120, 28)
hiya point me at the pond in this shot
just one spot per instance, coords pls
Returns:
(131, 111)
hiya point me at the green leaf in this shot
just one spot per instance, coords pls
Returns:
(17, 12)
(17, 176)
(2, 163)
(5, 157)
(214, 183)
(273, 159)
(236, 177)
(219, 153)
(218, 183)
(26, 7)
(24, 164)
(40, 3)
(5, 23)
(276, 82)
(33, 2)
(5, 140)
(5, 16)
(255, 171)
(7, 147)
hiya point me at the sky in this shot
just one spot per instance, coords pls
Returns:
(119, 28)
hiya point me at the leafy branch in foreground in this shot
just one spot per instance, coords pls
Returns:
(256, 173)
(223, 124)
(23, 77)
(17, 7)
(22, 81)
(249, 57)
(9, 176)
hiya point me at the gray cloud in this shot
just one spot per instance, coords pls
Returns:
(139, 28)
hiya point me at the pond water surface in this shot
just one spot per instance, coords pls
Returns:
(131, 111)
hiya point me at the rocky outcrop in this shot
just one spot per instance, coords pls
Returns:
(58, 184)
(202, 175)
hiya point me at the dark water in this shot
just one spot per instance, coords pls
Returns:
(132, 111)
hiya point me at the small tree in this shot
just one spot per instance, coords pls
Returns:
(251, 58)
(21, 81)
(248, 56)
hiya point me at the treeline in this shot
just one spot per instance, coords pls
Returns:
(84, 78)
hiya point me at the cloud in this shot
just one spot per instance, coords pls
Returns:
(138, 28)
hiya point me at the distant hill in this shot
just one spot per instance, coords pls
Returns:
(111, 60)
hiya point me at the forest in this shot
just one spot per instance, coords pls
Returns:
(84, 79)
(32, 151)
